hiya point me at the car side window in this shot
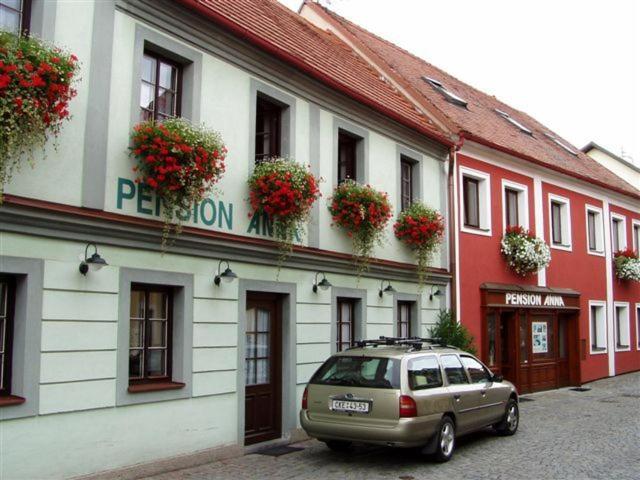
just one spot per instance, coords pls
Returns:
(424, 372)
(476, 370)
(453, 369)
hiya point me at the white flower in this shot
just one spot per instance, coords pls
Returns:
(525, 254)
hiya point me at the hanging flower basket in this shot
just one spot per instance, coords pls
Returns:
(35, 89)
(363, 212)
(524, 252)
(285, 191)
(627, 265)
(421, 228)
(180, 162)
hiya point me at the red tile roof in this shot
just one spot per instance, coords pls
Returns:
(479, 121)
(284, 34)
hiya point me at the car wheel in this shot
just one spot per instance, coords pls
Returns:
(338, 445)
(446, 440)
(511, 420)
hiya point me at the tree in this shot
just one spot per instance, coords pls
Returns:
(450, 332)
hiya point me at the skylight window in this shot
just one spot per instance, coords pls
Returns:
(513, 121)
(447, 94)
(561, 144)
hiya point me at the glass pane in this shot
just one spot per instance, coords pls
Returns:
(15, 4)
(136, 333)
(1, 369)
(476, 371)
(167, 76)
(251, 320)
(250, 372)
(453, 369)
(148, 69)
(136, 309)
(562, 339)
(146, 96)
(424, 372)
(250, 346)
(4, 289)
(491, 334)
(166, 101)
(262, 345)
(540, 341)
(3, 325)
(158, 305)
(262, 371)
(264, 319)
(345, 330)
(9, 20)
(156, 363)
(157, 333)
(135, 363)
(145, 115)
(524, 357)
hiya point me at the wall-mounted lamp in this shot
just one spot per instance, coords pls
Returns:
(94, 262)
(228, 275)
(388, 289)
(324, 284)
(434, 293)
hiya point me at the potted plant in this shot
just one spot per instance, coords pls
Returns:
(421, 228)
(180, 162)
(524, 252)
(285, 191)
(627, 265)
(35, 90)
(363, 212)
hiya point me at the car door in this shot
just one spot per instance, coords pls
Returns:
(492, 398)
(465, 395)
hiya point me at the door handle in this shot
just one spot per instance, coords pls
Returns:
(483, 392)
(457, 396)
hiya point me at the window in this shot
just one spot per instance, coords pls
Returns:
(475, 202)
(15, 15)
(511, 207)
(347, 156)
(598, 325)
(515, 205)
(453, 369)
(346, 323)
(476, 370)
(514, 122)
(404, 319)
(150, 334)
(447, 94)
(560, 220)
(363, 372)
(7, 298)
(595, 238)
(160, 87)
(406, 182)
(268, 130)
(561, 144)
(424, 372)
(638, 325)
(636, 236)
(618, 233)
(622, 326)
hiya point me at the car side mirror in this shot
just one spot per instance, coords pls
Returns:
(497, 378)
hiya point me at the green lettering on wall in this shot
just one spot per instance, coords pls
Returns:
(121, 194)
(254, 224)
(208, 214)
(227, 214)
(144, 196)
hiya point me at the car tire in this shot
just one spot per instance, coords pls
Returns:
(445, 440)
(339, 445)
(509, 424)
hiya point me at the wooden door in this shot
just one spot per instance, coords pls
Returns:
(507, 348)
(542, 370)
(263, 368)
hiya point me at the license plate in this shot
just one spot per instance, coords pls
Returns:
(349, 406)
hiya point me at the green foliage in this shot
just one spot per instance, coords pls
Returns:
(449, 331)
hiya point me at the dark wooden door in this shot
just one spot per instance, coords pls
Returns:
(542, 370)
(507, 340)
(263, 368)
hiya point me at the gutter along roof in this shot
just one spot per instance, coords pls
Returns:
(287, 36)
(484, 119)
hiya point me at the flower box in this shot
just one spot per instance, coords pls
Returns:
(524, 252)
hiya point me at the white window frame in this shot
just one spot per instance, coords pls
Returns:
(484, 199)
(599, 252)
(622, 235)
(602, 305)
(523, 203)
(565, 221)
(624, 305)
(638, 326)
(635, 238)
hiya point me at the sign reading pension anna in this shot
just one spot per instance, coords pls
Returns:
(533, 300)
(526, 296)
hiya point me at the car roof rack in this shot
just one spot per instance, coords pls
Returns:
(414, 343)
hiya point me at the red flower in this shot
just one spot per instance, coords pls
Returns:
(5, 80)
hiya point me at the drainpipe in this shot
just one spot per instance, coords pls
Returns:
(453, 222)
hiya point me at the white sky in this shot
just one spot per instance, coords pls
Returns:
(574, 65)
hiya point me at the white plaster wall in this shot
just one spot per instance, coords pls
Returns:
(616, 166)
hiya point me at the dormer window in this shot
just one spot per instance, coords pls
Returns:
(514, 122)
(560, 143)
(447, 94)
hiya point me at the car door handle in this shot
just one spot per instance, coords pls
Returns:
(483, 392)
(457, 396)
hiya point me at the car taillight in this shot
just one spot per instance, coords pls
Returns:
(304, 398)
(408, 407)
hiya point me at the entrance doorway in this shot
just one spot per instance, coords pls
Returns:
(263, 368)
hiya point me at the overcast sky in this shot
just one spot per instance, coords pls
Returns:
(572, 64)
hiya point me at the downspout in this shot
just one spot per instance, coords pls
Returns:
(453, 222)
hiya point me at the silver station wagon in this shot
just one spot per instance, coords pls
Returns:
(406, 392)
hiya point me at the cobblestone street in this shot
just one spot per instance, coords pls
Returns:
(563, 434)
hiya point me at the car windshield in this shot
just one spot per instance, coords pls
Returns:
(368, 372)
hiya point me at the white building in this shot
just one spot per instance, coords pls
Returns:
(618, 165)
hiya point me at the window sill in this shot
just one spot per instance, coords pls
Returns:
(476, 231)
(562, 246)
(8, 400)
(154, 387)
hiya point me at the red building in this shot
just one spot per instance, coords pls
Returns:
(571, 322)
